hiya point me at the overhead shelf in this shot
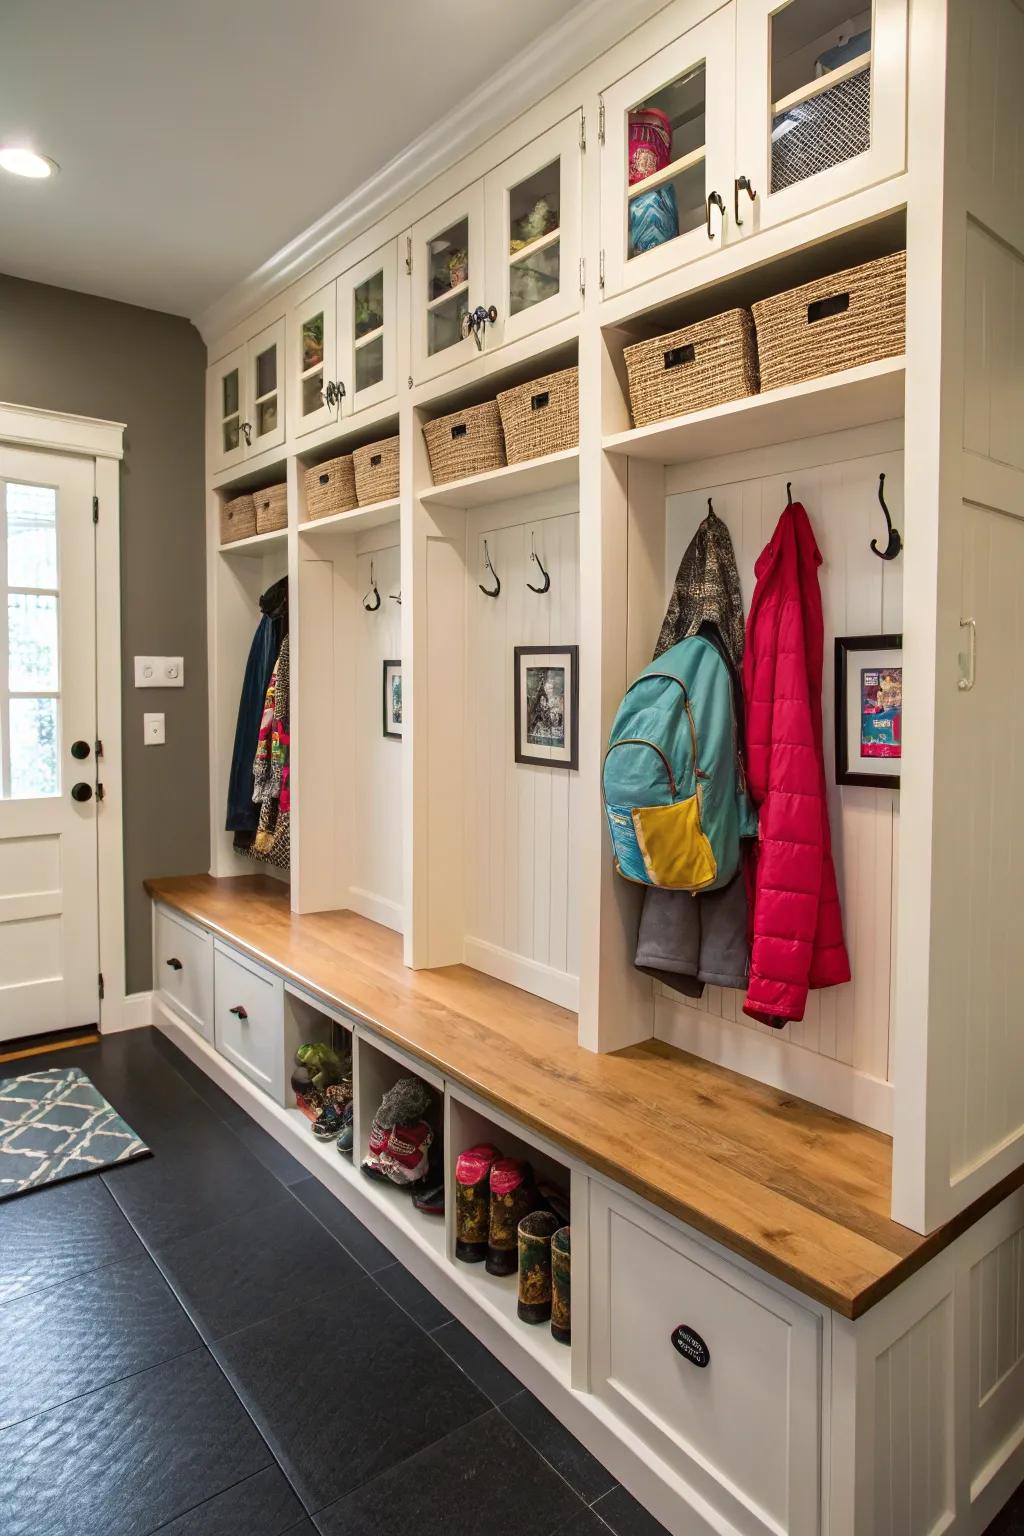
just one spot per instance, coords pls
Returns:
(376, 515)
(506, 484)
(257, 543)
(853, 398)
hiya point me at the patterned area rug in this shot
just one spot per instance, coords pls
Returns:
(55, 1125)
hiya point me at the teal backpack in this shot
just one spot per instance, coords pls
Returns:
(674, 789)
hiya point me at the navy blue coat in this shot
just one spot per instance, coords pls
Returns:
(242, 814)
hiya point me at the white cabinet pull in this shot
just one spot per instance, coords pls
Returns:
(966, 683)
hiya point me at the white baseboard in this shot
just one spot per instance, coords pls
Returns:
(377, 908)
(831, 1084)
(132, 1012)
(542, 980)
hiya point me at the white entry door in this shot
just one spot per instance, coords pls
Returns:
(49, 931)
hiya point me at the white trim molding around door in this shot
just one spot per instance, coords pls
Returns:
(102, 441)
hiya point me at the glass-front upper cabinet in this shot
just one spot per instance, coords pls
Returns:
(316, 387)
(667, 160)
(366, 331)
(245, 399)
(821, 95)
(533, 234)
(448, 283)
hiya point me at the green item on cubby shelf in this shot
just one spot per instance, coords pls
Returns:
(323, 1063)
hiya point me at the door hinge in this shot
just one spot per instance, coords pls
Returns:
(100, 985)
(600, 120)
(95, 509)
(410, 381)
(98, 747)
(101, 793)
(583, 274)
(600, 272)
(408, 254)
(583, 132)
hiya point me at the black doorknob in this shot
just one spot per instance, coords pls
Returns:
(81, 792)
(80, 750)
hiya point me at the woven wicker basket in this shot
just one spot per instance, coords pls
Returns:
(271, 508)
(857, 316)
(542, 417)
(237, 519)
(702, 365)
(331, 487)
(376, 468)
(469, 442)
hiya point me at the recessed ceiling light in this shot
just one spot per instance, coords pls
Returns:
(25, 162)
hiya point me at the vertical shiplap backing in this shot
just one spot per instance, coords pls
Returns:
(913, 1450)
(522, 822)
(861, 595)
(376, 830)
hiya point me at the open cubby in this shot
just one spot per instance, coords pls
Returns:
(379, 1067)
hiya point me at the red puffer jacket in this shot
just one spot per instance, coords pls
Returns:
(797, 938)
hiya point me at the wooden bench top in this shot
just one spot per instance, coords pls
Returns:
(801, 1192)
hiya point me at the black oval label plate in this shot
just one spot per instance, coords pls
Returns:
(691, 1346)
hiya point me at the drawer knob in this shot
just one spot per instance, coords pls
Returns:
(175, 965)
(691, 1346)
(238, 1011)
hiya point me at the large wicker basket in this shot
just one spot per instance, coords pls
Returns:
(271, 508)
(855, 317)
(331, 487)
(376, 468)
(542, 417)
(468, 442)
(702, 365)
(237, 519)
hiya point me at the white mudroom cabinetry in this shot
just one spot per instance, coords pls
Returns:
(246, 400)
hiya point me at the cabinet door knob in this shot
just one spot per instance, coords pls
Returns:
(716, 199)
(81, 792)
(238, 1011)
(174, 964)
(741, 184)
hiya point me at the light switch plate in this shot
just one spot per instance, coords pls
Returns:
(153, 730)
(159, 672)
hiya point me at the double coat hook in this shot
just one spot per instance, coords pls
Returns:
(537, 562)
(372, 607)
(895, 543)
(490, 591)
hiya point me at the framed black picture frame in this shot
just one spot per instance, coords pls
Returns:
(392, 700)
(869, 710)
(546, 685)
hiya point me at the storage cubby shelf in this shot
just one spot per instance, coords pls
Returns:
(377, 515)
(854, 398)
(506, 484)
(257, 543)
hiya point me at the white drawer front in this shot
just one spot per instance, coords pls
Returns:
(249, 1019)
(744, 1429)
(183, 958)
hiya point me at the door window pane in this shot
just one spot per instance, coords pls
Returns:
(312, 392)
(32, 642)
(231, 435)
(266, 372)
(31, 536)
(312, 341)
(368, 306)
(444, 323)
(666, 157)
(820, 88)
(448, 265)
(230, 393)
(370, 363)
(266, 416)
(34, 749)
(534, 210)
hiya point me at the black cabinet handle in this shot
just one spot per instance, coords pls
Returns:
(239, 1012)
(174, 964)
(691, 1346)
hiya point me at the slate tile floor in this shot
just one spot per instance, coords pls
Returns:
(209, 1344)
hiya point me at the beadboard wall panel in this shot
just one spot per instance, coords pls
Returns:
(914, 1493)
(522, 821)
(997, 1355)
(994, 345)
(847, 1028)
(376, 820)
(995, 122)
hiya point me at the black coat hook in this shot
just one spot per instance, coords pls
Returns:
(789, 493)
(895, 543)
(537, 562)
(396, 597)
(487, 591)
(372, 607)
(711, 508)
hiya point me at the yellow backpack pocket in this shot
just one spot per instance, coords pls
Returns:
(676, 853)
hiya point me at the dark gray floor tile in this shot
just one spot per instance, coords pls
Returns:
(54, 1235)
(263, 1505)
(270, 1152)
(366, 1249)
(344, 1388)
(130, 1072)
(1010, 1519)
(246, 1269)
(212, 1095)
(482, 1478)
(479, 1364)
(60, 1343)
(623, 1515)
(198, 1176)
(130, 1457)
(583, 1472)
(304, 1528)
(586, 1523)
(414, 1298)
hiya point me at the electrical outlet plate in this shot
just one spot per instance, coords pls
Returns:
(159, 672)
(153, 730)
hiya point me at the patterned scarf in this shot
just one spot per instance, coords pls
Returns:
(706, 591)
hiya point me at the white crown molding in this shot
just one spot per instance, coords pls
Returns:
(582, 35)
(30, 427)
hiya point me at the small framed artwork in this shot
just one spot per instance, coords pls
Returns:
(546, 684)
(393, 699)
(869, 710)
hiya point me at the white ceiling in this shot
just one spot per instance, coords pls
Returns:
(195, 137)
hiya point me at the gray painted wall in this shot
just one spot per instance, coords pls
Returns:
(68, 351)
